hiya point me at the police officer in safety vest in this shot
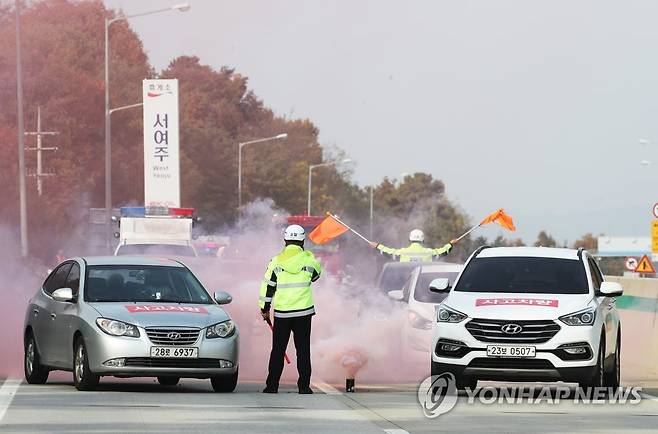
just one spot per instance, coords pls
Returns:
(416, 251)
(286, 289)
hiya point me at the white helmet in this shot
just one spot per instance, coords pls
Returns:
(294, 233)
(417, 236)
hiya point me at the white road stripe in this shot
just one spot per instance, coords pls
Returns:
(363, 412)
(7, 393)
(327, 388)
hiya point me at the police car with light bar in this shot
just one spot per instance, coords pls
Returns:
(528, 314)
(156, 231)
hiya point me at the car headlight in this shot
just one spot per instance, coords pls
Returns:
(117, 328)
(583, 317)
(222, 330)
(446, 314)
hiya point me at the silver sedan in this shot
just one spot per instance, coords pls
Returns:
(129, 317)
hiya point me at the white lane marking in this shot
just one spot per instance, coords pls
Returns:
(7, 393)
(327, 388)
(649, 397)
(362, 411)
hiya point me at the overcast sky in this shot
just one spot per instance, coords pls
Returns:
(534, 106)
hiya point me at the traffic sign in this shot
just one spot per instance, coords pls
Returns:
(655, 210)
(654, 236)
(645, 266)
(631, 263)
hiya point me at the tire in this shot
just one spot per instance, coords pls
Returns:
(83, 378)
(224, 383)
(35, 372)
(612, 377)
(598, 379)
(168, 381)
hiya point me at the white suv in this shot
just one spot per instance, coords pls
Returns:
(528, 314)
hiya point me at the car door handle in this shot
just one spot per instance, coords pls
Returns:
(35, 312)
(53, 315)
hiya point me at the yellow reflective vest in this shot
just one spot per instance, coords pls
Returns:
(287, 283)
(415, 252)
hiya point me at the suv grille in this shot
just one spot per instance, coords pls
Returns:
(532, 331)
(172, 336)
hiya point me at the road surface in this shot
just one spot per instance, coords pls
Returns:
(143, 406)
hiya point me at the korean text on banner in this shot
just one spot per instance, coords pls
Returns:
(161, 147)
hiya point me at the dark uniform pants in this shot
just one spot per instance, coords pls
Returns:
(301, 329)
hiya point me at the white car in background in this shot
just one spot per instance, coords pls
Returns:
(421, 303)
(528, 314)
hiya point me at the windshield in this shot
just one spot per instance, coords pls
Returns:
(143, 283)
(156, 249)
(524, 275)
(422, 292)
(393, 278)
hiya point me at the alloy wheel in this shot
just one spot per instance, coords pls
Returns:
(79, 363)
(29, 357)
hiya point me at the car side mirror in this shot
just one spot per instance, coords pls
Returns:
(223, 297)
(63, 294)
(610, 289)
(440, 285)
(396, 295)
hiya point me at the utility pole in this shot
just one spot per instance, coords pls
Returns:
(39, 149)
(21, 138)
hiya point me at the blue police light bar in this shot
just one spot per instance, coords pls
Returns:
(133, 211)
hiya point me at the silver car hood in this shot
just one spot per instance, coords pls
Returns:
(163, 314)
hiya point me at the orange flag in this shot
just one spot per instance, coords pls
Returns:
(327, 230)
(501, 218)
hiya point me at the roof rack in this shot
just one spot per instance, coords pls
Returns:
(479, 249)
(580, 252)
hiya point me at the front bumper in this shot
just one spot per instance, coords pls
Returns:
(138, 362)
(551, 362)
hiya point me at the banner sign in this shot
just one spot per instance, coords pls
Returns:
(516, 301)
(161, 148)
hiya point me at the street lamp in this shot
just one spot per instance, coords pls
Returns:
(108, 144)
(240, 146)
(310, 180)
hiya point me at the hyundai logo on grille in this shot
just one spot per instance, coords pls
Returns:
(173, 335)
(511, 329)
